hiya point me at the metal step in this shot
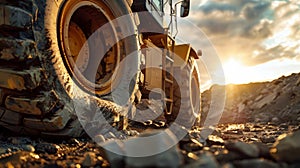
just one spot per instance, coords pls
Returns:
(169, 59)
(169, 100)
(169, 80)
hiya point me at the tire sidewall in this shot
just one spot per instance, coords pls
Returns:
(195, 73)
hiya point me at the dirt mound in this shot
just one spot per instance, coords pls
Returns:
(276, 101)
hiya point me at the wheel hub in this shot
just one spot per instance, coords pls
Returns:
(76, 43)
(79, 21)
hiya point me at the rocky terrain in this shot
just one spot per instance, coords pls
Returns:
(259, 128)
(277, 101)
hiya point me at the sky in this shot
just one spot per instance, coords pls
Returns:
(254, 40)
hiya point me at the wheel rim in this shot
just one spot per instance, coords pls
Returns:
(195, 93)
(78, 22)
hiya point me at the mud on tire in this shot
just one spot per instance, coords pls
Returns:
(35, 82)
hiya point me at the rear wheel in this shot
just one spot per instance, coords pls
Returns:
(44, 55)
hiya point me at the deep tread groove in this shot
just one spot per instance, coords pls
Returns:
(15, 18)
(17, 50)
(39, 105)
(11, 117)
(57, 122)
(20, 80)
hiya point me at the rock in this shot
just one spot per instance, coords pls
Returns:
(259, 98)
(148, 110)
(9, 165)
(275, 120)
(110, 135)
(189, 157)
(153, 149)
(248, 150)
(133, 133)
(264, 150)
(254, 139)
(262, 118)
(257, 163)
(205, 131)
(239, 132)
(229, 157)
(99, 138)
(191, 147)
(17, 158)
(205, 160)
(284, 125)
(298, 82)
(2, 150)
(266, 100)
(19, 140)
(194, 134)
(228, 165)
(241, 107)
(74, 141)
(287, 149)
(46, 148)
(268, 139)
(28, 148)
(89, 159)
(214, 140)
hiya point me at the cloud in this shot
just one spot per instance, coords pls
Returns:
(253, 31)
(236, 18)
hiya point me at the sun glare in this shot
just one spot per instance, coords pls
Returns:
(237, 73)
(234, 72)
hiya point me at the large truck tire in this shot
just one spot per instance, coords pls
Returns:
(186, 106)
(38, 42)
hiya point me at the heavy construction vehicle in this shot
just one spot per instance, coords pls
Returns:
(41, 40)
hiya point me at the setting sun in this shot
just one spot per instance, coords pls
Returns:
(235, 72)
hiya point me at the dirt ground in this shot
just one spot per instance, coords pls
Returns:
(253, 132)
